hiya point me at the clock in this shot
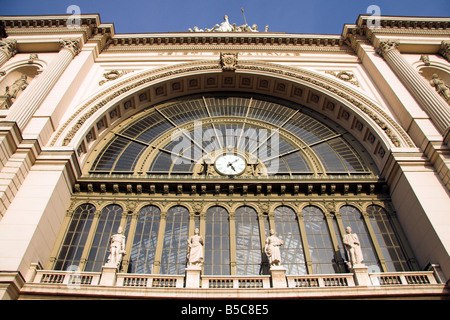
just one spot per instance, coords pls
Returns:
(230, 164)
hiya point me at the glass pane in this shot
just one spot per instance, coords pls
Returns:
(217, 240)
(73, 245)
(387, 239)
(248, 242)
(123, 152)
(173, 259)
(287, 229)
(145, 239)
(107, 226)
(319, 241)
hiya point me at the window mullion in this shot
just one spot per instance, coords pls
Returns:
(159, 245)
(303, 237)
(374, 240)
(130, 237)
(89, 240)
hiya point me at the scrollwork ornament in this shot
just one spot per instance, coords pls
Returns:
(228, 61)
(445, 49)
(71, 44)
(386, 46)
(8, 47)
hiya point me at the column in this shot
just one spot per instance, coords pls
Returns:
(29, 101)
(8, 48)
(436, 108)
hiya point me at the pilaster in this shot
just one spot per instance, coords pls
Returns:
(29, 101)
(426, 96)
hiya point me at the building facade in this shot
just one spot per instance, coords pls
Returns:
(232, 131)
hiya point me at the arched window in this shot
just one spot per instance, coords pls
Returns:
(319, 241)
(248, 242)
(387, 239)
(352, 217)
(217, 242)
(145, 238)
(72, 248)
(107, 226)
(287, 229)
(173, 258)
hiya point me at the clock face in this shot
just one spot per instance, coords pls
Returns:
(230, 164)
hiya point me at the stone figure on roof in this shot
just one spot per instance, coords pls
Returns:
(226, 26)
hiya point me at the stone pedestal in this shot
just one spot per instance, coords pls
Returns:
(278, 275)
(193, 276)
(109, 275)
(361, 275)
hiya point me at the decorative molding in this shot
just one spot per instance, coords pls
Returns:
(228, 61)
(112, 75)
(384, 122)
(345, 76)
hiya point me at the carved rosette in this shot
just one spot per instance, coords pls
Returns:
(71, 44)
(228, 61)
(8, 47)
(386, 46)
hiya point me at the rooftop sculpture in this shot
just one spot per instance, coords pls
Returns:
(226, 26)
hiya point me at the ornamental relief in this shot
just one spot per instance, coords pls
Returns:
(84, 113)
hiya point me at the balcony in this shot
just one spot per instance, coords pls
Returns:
(67, 284)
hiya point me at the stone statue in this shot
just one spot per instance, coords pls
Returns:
(226, 26)
(272, 249)
(17, 87)
(353, 248)
(117, 248)
(440, 87)
(195, 249)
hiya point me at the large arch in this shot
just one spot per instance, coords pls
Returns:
(356, 113)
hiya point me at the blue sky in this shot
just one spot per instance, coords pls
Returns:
(291, 16)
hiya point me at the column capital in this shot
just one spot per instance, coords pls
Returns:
(8, 47)
(386, 46)
(72, 44)
(445, 49)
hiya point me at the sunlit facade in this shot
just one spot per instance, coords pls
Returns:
(235, 133)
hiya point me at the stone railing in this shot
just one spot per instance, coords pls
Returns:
(321, 281)
(149, 281)
(235, 282)
(402, 278)
(84, 279)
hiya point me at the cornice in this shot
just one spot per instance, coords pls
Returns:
(226, 41)
(90, 26)
(401, 26)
